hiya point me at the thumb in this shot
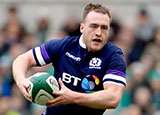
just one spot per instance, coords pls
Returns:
(60, 82)
(57, 93)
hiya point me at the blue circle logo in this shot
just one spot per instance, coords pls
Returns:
(89, 83)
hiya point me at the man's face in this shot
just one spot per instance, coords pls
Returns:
(95, 29)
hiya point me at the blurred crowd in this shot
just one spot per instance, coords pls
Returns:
(140, 44)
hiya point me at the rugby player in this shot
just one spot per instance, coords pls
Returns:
(90, 70)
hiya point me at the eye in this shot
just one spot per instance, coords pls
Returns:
(94, 26)
(104, 27)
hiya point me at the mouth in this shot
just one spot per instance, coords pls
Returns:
(97, 40)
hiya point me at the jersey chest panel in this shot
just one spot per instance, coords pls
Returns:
(81, 72)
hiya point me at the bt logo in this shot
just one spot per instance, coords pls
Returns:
(88, 83)
(67, 78)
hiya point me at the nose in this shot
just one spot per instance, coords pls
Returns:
(99, 32)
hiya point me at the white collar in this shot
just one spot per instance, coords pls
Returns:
(81, 43)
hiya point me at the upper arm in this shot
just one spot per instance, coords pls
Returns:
(115, 78)
(116, 71)
(48, 52)
(28, 58)
(21, 64)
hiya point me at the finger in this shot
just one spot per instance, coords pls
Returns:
(51, 102)
(23, 86)
(26, 84)
(60, 82)
(25, 89)
(29, 99)
(54, 102)
(26, 94)
(50, 105)
(57, 93)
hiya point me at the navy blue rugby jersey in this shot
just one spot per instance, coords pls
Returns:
(80, 70)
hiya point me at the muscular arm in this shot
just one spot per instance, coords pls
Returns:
(105, 99)
(19, 68)
(108, 98)
(21, 64)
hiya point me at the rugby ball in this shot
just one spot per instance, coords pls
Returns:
(41, 87)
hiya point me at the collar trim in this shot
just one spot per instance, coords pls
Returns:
(81, 43)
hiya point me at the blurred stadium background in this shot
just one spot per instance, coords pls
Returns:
(135, 28)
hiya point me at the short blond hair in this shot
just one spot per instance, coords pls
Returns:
(97, 8)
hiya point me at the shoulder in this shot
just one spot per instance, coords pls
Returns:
(59, 43)
(112, 46)
(64, 40)
(55, 47)
(111, 49)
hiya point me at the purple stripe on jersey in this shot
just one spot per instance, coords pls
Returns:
(45, 55)
(116, 72)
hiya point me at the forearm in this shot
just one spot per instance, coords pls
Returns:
(20, 66)
(105, 99)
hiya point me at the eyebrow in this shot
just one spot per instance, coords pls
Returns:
(95, 24)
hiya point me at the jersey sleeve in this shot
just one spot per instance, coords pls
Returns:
(46, 53)
(41, 55)
(116, 69)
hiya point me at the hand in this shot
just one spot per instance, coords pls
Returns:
(23, 86)
(64, 96)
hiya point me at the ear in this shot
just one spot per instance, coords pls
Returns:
(82, 27)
